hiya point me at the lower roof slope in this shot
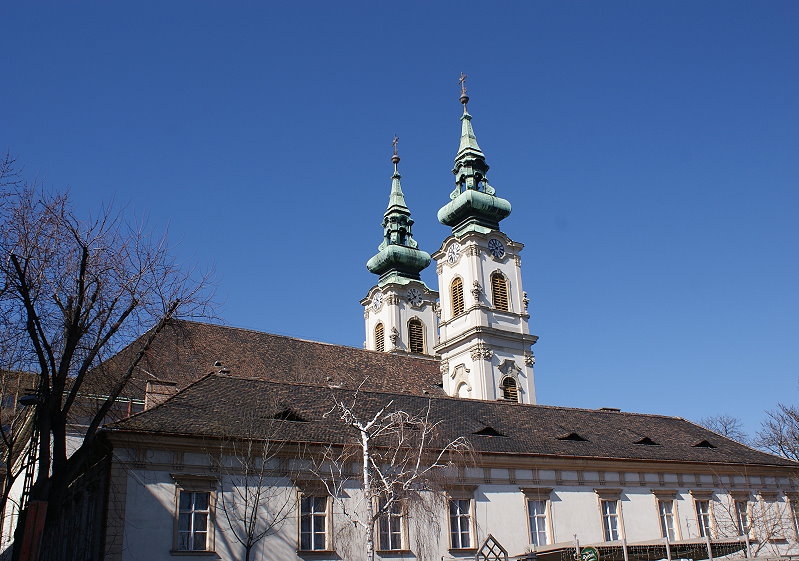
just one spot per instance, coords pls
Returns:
(220, 406)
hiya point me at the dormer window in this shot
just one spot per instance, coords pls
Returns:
(572, 436)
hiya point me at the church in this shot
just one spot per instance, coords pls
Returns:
(456, 391)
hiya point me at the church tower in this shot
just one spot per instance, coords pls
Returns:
(399, 311)
(484, 339)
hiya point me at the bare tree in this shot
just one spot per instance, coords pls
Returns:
(401, 458)
(726, 425)
(763, 519)
(256, 494)
(779, 433)
(74, 292)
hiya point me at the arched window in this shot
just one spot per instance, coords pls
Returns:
(509, 390)
(380, 344)
(499, 291)
(416, 336)
(456, 291)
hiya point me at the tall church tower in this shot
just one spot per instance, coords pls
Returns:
(484, 339)
(399, 311)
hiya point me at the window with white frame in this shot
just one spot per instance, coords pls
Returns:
(666, 513)
(391, 526)
(610, 519)
(314, 523)
(460, 523)
(742, 516)
(194, 512)
(793, 505)
(703, 517)
(772, 513)
(537, 517)
(194, 509)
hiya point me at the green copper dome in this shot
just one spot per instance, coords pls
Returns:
(474, 205)
(398, 258)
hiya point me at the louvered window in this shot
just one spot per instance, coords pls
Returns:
(509, 390)
(416, 336)
(499, 291)
(380, 344)
(457, 296)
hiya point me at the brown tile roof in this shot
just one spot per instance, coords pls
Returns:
(215, 406)
(185, 351)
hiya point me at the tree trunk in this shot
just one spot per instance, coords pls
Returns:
(367, 487)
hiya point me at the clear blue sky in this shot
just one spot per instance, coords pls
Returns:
(649, 150)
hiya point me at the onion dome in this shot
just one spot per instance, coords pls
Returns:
(398, 258)
(474, 205)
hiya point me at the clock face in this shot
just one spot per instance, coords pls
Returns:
(453, 253)
(415, 297)
(377, 301)
(496, 248)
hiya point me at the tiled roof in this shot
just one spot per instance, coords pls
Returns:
(185, 351)
(216, 405)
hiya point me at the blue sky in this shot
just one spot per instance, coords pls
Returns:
(649, 151)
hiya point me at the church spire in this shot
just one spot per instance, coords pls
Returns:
(398, 258)
(474, 205)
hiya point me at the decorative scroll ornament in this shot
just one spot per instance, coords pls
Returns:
(476, 290)
(394, 336)
(525, 300)
(529, 359)
(482, 351)
(392, 299)
(437, 309)
(444, 366)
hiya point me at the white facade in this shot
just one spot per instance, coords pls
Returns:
(147, 482)
(481, 344)
(390, 310)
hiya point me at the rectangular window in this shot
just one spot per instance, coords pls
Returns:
(193, 514)
(313, 523)
(742, 517)
(390, 526)
(703, 518)
(666, 511)
(610, 520)
(460, 523)
(537, 514)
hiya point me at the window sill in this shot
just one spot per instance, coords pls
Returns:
(311, 552)
(389, 552)
(184, 553)
(464, 551)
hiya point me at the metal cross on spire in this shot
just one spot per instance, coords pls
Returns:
(464, 97)
(395, 158)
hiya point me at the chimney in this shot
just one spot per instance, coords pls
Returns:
(158, 391)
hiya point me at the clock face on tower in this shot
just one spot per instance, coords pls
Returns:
(415, 297)
(496, 248)
(377, 301)
(453, 253)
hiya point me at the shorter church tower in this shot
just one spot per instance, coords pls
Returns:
(484, 339)
(399, 311)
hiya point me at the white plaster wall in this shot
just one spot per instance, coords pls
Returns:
(499, 509)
